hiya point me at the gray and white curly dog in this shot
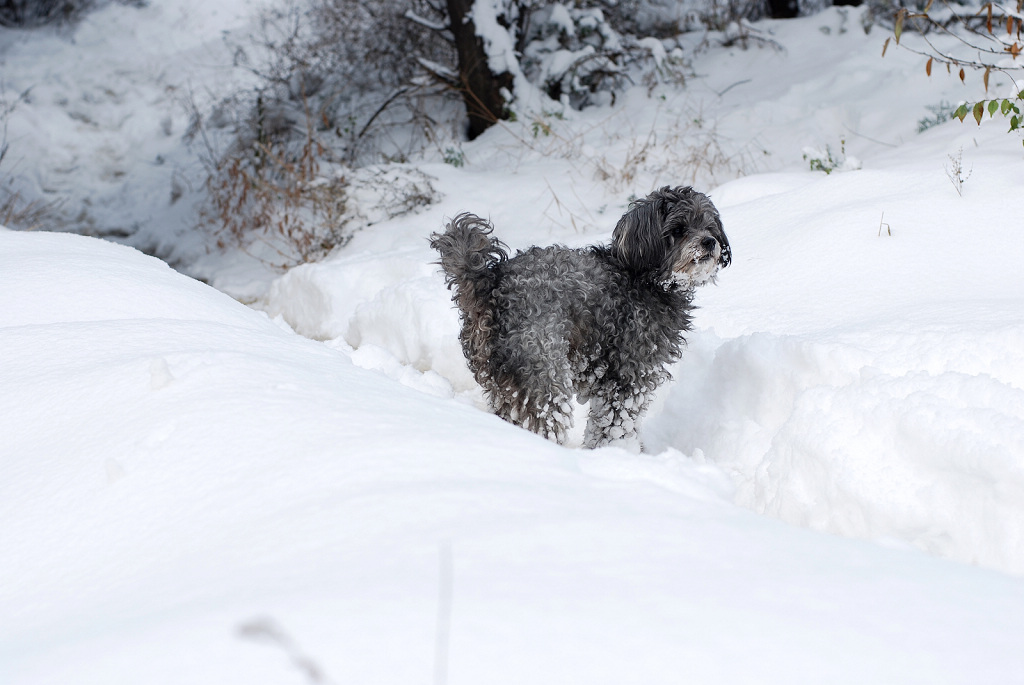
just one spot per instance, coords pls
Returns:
(601, 323)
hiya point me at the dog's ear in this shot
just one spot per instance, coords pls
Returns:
(638, 241)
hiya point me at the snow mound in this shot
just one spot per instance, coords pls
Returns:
(847, 436)
(193, 493)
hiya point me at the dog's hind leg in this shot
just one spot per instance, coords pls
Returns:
(536, 394)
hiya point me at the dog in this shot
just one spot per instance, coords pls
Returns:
(600, 323)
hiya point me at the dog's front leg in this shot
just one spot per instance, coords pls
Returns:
(615, 415)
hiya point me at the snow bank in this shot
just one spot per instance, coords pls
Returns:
(844, 435)
(192, 493)
(395, 302)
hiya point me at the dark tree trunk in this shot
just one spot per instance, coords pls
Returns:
(481, 90)
(783, 9)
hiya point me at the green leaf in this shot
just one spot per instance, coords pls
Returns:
(979, 111)
(1014, 123)
(898, 28)
(961, 112)
(993, 105)
(1004, 107)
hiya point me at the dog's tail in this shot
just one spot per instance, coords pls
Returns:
(469, 254)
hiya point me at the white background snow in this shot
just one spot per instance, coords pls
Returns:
(197, 491)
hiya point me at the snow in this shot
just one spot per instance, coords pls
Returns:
(171, 478)
(198, 491)
(99, 116)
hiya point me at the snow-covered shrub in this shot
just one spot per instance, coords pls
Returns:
(25, 215)
(578, 57)
(940, 114)
(15, 211)
(353, 68)
(828, 160)
(283, 203)
(30, 13)
(336, 90)
(885, 12)
(666, 18)
(287, 209)
(33, 13)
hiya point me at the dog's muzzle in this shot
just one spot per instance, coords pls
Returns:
(699, 263)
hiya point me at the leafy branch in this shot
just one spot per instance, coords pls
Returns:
(990, 35)
(1006, 107)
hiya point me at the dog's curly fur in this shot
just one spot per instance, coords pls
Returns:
(602, 322)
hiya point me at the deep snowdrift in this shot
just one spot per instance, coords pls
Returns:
(181, 472)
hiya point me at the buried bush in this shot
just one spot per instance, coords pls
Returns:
(288, 205)
(279, 201)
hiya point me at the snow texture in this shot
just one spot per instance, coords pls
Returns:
(193, 493)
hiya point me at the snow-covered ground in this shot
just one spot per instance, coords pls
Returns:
(192, 492)
(98, 115)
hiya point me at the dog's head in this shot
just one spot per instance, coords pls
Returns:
(673, 234)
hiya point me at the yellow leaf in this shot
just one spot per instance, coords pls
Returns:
(885, 47)
(985, 77)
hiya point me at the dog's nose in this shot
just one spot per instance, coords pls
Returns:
(708, 245)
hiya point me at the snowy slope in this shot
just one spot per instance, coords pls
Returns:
(98, 115)
(178, 468)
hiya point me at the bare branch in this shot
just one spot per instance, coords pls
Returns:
(440, 72)
(426, 23)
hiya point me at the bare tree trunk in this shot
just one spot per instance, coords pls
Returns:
(481, 89)
(783, 9)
